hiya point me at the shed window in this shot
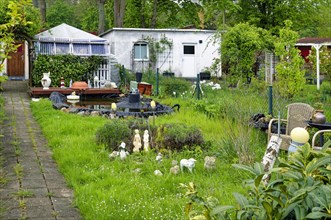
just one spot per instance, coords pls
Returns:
(140, 51)
(62, 48)
(98, 49)
(81, 48)
(46, 48)
(188, 49)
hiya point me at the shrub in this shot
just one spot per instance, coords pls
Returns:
(171, 85)
(177, 136)
(112, 134)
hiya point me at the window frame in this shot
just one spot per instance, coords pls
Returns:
(140, 46)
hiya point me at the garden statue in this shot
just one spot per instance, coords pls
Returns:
(210, 162)
(123, 152)
(136, 141)
(188, 163)
(146, 140)
(159, 157)
(174, 170)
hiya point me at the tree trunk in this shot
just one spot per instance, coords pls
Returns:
(119, 10)
(153, 23)
(42, 9)
(35, 3)
(101, 7)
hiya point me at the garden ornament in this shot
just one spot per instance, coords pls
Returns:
(188, 163)
(174, 170)
(136, 141)
(210, 162)
(159, 157)
(146, 140)
(158, 173)
(123, 152)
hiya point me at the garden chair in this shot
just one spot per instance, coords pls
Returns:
(298, 114)
(319, 133)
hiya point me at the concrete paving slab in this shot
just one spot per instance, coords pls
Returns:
(51, 198)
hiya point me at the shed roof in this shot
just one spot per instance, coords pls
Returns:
(308, 41)
(67, 33)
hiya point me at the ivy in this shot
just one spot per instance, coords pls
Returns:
(69, 67)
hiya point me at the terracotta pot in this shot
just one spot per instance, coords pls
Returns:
(79, 85)
(319, 117)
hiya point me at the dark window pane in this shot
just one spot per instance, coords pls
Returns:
(188, 49)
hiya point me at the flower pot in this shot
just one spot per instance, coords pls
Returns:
(80, 85)
(46, 81)
(319, 117)
(139, 76)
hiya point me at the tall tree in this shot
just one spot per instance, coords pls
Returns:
(42, 9)
(154, 16)
(101, 7)
(119, 11)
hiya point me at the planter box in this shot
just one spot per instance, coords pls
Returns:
(168, 74)
(205, 76)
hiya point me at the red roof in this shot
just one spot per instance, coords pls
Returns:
(315, 40)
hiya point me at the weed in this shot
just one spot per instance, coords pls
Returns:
(23, 193)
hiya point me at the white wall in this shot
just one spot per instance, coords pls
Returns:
(122, 41)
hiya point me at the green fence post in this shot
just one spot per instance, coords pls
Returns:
(270, 99)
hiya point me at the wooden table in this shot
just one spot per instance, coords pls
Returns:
(40, 92)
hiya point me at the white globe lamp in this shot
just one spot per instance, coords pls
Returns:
(299, 137)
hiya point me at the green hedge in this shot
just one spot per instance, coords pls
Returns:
(69, 67)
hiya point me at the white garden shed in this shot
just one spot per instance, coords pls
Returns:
(191, 50)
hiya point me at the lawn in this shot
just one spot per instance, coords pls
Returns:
(128, 189)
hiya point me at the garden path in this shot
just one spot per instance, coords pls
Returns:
(33, 186)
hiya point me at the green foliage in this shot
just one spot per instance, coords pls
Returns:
(290, 73)
(61, 12)
(112, 134)
(2, 79)
(325, 61)
(171, 85)
(299, 188)
(19, 21)
(177, 136)
(239, 46)
(69, 67)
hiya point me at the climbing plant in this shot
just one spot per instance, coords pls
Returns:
(157, 47)
(68, 66)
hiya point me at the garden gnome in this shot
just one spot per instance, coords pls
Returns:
(136, 141)
(146, 140)
(123, 152)
(159, 158)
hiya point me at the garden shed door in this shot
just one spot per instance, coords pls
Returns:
(189, 60)
(16, 64)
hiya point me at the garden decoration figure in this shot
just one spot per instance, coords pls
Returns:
(210, 162)
(188, 163)
(159, 157)
(136, 141)
(158, 173)
(174, 170)
(123, 152)
(146, 140)
(62, 86)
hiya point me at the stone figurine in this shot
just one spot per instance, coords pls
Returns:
(188, 163)
(146, 140)
(210, 162)
(136, 141)
(123, 152)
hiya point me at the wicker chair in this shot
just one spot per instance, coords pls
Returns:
(297, 116)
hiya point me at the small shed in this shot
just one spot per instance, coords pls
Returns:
(184, 52)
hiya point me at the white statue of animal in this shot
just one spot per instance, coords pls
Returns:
(188, 163)
(210, 162)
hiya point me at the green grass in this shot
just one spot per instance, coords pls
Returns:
(113, 189)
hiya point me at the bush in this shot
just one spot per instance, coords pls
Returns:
(178, 136)
(171, 85)
(112, 134)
